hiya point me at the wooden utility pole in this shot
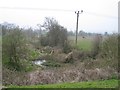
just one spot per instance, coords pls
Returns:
(78, 12)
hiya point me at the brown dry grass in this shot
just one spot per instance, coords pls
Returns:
(71, 74)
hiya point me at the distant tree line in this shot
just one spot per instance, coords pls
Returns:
(84, 34)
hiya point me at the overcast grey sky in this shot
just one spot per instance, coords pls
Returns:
(98, 15)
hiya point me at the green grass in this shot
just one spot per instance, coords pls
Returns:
(84, 44)
(90, 84)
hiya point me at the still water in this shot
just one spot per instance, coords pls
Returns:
(39, 62)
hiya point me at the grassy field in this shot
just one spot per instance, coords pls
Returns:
(90, 84)
(83, 43)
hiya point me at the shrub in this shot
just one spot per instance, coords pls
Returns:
(96, 46)
(14, 48)
(66, 47)
(44, 41)
(109, 48)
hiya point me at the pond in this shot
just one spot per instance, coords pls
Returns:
(39, 62)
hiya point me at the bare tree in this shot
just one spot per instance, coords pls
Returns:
(57, 34)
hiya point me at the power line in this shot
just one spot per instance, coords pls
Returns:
(62, 10)
(101, 15)
(40, 9)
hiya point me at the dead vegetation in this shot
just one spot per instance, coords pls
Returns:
(73, 74)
